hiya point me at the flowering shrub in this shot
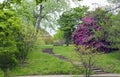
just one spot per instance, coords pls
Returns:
(90, 35)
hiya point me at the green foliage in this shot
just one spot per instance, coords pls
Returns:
(9, 27)
(114, 32)
(17, 39)
(58, 38)
(69, 19)
(40, 39)
(110, 24)
(26, 11)
(7, 59)
(39, 1)
(50, 12)
(7, 4)
(103, 19)
(58, 6)
(17, 34)
(45, 37)
(25, 42)
(40, 63)
(59, 35)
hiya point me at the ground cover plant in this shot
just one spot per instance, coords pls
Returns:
(66, 52)
(109, 62)
(39, 63)
(42, 63)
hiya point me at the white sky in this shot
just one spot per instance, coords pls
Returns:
(1, 0)
(89, 2)
(92, 3)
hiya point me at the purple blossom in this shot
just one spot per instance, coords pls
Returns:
(85, 32)
(88, 20)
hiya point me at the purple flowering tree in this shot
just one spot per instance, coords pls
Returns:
(88, 34)
(88, 38)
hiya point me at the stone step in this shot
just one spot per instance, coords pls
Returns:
(100, 72)
(97, 70)
(93, 68)
(77, 63)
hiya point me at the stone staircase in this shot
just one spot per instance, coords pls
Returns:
(98, 70)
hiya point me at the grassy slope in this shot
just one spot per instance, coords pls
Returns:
(109, 62)
(67, 51)
(41, 63)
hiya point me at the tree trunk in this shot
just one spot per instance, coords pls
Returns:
(67, 42)
(39, 18)
(5, 71)
(89, 66)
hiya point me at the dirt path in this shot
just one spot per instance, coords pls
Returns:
(50, 51)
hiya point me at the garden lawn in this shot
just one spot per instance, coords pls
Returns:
(66, 51)
(109, 62)
(39, 63)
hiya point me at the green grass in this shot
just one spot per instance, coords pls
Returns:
(67, 51)
(39, 63)
(1, 73)
(109, 62)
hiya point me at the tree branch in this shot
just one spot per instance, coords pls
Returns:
(113, 9)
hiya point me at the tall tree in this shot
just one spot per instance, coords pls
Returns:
(69, 19)
(46, 10)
